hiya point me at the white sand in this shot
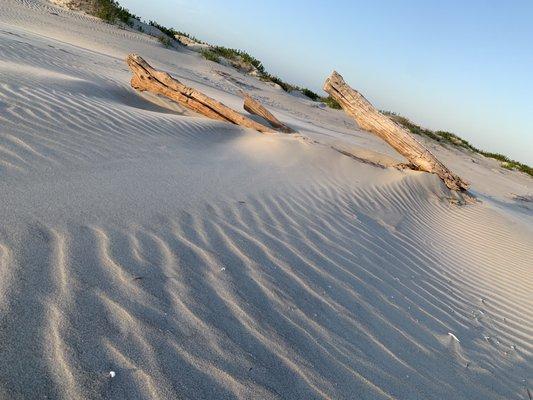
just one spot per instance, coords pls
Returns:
(197, 260)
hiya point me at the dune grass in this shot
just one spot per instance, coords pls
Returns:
(165, 41)
(216, 52)
(238, 55)
(111, 11)
(455, 140)
(331, 102)
(170, 32)
(210, 55)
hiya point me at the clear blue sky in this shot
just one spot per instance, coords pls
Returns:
(465, 66)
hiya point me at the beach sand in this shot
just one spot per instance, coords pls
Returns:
(149, 253)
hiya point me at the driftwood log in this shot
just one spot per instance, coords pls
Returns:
(254, 107)
(147, 78)
(370, 119)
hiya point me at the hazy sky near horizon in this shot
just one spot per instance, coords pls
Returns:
(461, 66)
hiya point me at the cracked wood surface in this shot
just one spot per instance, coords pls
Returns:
(254, 107)
(370, 119)
(147, 78)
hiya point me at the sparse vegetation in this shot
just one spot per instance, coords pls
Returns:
(111, 11)
(171, 32)
(165, 41)
(328, 100)
(210, 55)
(238, 55)
(274, 79)
(453, 139)
(216, 52)
(309, 93)
(331, 102)
(190, 37)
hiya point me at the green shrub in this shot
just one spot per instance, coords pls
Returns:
(331, 102)
(167, 31)
(453, 139)
(496, 156)
(165, 41)
(309, 93)
(236, 55)
(190, 37)
(515, 165)
(274, 79)
(211, 56)
(524, 168)
(111, 11)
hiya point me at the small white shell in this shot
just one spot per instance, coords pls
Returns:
(453, 336)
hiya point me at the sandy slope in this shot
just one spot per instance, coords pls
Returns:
(200, 260)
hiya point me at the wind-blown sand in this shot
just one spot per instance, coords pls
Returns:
(197, 259)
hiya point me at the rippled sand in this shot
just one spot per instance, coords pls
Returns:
(197, 260)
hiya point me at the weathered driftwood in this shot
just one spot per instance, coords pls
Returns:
(145, 77)
(254, 107)
(370, 119)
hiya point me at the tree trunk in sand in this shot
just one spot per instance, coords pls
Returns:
(370, 119)
(147, 78)
(254, 107)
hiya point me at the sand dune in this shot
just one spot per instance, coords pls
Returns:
(196, 259)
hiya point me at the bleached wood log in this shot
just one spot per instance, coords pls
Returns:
(370, 119)
(145, 77)
(254, 107)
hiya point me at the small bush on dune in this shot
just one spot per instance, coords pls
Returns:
(211, 56)
(167, 31)
(328, 101)
(309, 93)
(524, 168)
(111, 11)
(496, 156)
(190, 37)
(453, 138)
(165, 41)
(331, 102)
(274, 79)
(235, 55)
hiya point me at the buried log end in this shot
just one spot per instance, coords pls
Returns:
(134, 60)
(134, 57)
(254, 107)
(457, 184)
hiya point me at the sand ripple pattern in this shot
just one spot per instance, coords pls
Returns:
(274, 297)
(200, 261)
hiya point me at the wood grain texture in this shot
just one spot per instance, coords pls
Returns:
(370, 119)
(147, 78)
(254, 107)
